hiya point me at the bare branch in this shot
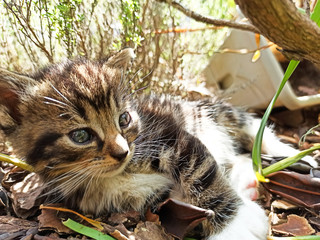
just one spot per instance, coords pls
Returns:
(28, 31)
(209, 20)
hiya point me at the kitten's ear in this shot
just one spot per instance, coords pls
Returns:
(121, 59)
(11, 85)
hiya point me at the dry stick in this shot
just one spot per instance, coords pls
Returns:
(29, 28)
(217, 22)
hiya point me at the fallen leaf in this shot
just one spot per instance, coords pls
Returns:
(52, 236)
(128, 219)
(13, 176)
(118, 235)
(26, 195)
(295, 226)
(119, 232)
(151, 230)
(9, 224)
(274, 219)
(282, 204)
(315, 221)
(48, 220)
(178, 218)
(299, 188)
(94, 223)
(151, 217)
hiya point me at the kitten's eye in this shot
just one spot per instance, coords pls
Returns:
(124, 120)
(81, 136)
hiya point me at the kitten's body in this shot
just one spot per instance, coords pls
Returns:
(100, 149)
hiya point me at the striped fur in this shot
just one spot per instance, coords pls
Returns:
(170, 148)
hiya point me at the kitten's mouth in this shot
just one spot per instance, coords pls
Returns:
(109, 167)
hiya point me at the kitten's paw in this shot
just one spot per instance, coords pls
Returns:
(250, 223)
(243, 179)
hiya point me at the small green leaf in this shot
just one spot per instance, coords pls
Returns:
(288, 161)
(87, 231)
(315, 15)
(15, 161)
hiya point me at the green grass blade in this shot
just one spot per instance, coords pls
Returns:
(315, 15)
(15, 161)
(256, 151)
(288, 161)
(87, 231)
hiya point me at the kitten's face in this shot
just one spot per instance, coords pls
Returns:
(73, 121)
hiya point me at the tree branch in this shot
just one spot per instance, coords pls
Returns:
(209, 20)
(281, 23)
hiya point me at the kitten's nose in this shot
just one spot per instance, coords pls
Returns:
(119, 148)
(119, 155)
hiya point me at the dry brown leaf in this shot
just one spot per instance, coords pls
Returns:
(48, 220)
(52, 236)
(9, 224)
(315, 221)
(26, 195)
(282, 204)
(298, 188)
(151, 230)
(295, 226)
(128, 219)
(119, 232)
(93, 222)
(118, 235)
(13, 176)
(179, 218)
(151, 217)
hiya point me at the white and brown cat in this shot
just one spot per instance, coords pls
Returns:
(99, 148)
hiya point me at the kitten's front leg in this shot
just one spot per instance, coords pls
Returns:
(205, 184)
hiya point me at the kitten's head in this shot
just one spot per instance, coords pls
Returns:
(71, 120)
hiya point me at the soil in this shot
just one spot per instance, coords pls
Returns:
(305, 80)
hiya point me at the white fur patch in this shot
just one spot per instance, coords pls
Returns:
(273, 146)
(122, 192)
(242, 176)
(249, 224)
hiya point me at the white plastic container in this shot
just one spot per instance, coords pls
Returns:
(249, 84)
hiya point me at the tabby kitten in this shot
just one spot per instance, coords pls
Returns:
(101, 149)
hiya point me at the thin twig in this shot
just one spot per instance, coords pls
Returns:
(209, 20)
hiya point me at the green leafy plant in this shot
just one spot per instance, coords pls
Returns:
(129, 19)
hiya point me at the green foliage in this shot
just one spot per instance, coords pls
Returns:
(129, 19)
(33, 33)
(67, 19)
